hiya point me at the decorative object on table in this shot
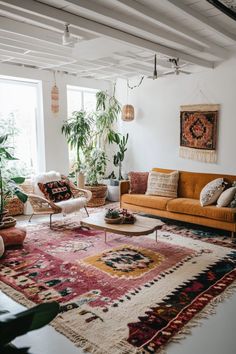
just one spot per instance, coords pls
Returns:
(77, 130)
(99, 293)
(8, 185)
(119, 216)
(13, 236)
(138, 182)
(163, 184)
(54, 96)
(211, 192)
(198, 132)
(113, 216)
(42, 205)
(127, 217)
(15, 325)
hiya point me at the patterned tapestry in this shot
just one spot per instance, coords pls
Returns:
(198, 132)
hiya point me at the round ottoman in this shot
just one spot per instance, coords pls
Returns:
(13, 236)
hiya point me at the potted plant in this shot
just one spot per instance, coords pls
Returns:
(77, 131)
(96, 162)
(121, 141)
(8, 185)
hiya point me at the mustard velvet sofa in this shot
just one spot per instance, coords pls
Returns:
(186, 207)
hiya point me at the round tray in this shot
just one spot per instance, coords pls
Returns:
(113, 221)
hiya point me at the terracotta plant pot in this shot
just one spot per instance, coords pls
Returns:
(99, 193)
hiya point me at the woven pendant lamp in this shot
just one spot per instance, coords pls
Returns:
(127, 113)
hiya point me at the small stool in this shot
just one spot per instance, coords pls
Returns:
(13, 236)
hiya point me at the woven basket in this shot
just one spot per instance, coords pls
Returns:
(14, 206)
(99, 194)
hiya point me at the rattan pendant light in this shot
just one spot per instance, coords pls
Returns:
(127, 113)
(127, 109)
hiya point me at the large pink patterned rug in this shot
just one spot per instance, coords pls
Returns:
(129, 295)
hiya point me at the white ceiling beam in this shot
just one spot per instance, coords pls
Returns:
(30, 31)
(41, 22)
(94, 27)
(161, 19)
(139, 26)
(207, 21)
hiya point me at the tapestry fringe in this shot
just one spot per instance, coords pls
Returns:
(198, 154)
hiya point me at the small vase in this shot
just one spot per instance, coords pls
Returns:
(80, 180)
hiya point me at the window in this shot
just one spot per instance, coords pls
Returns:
(18, 112)
(79, 98)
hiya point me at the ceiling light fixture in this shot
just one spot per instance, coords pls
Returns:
(67, 39)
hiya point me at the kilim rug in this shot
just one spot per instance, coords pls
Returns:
(129, 295)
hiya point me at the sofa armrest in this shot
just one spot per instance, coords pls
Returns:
(124, 187)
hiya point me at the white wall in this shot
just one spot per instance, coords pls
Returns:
(55, 154)
(155, 132)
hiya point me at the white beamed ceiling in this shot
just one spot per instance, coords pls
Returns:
(115, 38)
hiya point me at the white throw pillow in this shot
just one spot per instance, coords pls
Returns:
(226, 197)
(211, 192)
(163, 184)
(1, 246)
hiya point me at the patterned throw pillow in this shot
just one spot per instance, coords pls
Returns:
(138, 182)
(226, 197)
(211, 192)
(233, 203)
(56, 191)
(163, 184)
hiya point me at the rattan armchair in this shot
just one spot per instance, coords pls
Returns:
(43, 206)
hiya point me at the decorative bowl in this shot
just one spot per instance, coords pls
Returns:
(113, 220)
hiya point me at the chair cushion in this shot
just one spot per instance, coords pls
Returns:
(193, 207)
(72, 205)
(149, 201)
(44, 178)
(56, 191)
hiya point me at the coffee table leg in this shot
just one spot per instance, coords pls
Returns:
(156, 235)
(105, 236)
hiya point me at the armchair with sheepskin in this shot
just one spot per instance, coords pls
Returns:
(69, 198)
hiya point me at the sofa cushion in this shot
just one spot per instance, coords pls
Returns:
(163, 184)
(148, 201)
(193, 207)
(211, 192)
(138, 182)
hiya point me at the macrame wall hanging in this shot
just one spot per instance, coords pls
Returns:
(55, 96)
(198, 132)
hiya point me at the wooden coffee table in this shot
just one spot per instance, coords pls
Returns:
(142, 226)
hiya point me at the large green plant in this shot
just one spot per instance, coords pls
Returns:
(96, 162)
(121, 141)
(77, 131)
(8, 185)
(107, 111)
(12, 326)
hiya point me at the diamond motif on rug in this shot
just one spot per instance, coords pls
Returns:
(126, 261)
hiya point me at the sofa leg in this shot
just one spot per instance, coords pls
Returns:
(233, 234)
